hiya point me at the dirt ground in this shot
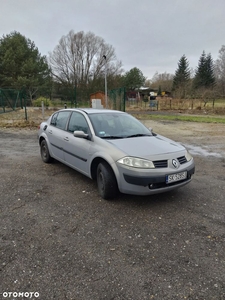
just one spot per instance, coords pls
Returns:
(60, 240)
(207, 139)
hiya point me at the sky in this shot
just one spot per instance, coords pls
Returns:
(150, 35)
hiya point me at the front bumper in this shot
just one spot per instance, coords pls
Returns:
(147, 182)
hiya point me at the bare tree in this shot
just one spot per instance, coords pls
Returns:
(81, 56)
(164, 80)
(220, 71)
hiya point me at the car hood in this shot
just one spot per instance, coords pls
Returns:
(147, 146)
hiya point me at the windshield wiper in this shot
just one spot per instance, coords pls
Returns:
(138, 134)
(112, 137)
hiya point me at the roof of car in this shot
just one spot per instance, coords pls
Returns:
(94, 110)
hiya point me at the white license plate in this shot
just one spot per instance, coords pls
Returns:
(176, 177)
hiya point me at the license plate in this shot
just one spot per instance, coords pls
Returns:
(176, 177)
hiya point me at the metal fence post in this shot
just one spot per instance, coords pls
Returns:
(43, 109)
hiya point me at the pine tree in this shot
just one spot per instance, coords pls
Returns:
(204, 75)
(22, 66)
(200, 72)
(210, 78)
(182, 77)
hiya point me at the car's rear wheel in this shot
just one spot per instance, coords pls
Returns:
(106, 181)
(46, 157)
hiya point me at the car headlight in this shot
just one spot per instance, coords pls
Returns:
(188, 156)
(136, 162)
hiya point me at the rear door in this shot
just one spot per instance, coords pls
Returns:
(56, 132)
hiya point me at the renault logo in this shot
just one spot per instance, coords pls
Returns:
(175, 163)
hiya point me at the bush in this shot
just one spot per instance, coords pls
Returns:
(38, 102)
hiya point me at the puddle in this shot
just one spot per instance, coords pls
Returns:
(197, 150)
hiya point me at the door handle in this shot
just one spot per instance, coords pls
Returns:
(50, 131)
(66, 139)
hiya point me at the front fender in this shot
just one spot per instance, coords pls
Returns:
(99, 156)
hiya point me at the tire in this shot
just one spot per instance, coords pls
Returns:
(45, 152)
(106, 181)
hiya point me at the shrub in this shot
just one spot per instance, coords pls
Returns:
(38, 102)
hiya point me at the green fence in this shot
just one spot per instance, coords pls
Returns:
(11, 99)
(117, 99)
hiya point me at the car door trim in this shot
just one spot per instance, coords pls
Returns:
(72, 154)
(60, 148)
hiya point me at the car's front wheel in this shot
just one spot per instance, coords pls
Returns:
(106, 181)
(46, 157)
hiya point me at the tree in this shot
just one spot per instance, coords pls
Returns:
(204, 80)
(204, 75)
(220, 71)
(81, 59)
(181, 79)
(164, 80)
(159, 91)
(21, 64)
(134, 79)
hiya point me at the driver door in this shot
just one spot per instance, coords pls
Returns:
(76, 149)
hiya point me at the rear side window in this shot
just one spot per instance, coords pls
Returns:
(53, 120)
(60, 119)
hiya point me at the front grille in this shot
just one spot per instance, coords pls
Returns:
(160, 164)
(164, 163)
(182, 160)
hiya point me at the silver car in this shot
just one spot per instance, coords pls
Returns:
(115, 149)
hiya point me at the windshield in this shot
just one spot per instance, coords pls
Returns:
(121, 125)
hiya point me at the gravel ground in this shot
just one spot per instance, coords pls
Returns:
(58, 239)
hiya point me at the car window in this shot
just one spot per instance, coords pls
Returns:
(129, 124)
(53, 120)
(78, 122)
(61, 119)
(121, 125)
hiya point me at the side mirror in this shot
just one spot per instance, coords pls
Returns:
(80, 134)
(151, 130)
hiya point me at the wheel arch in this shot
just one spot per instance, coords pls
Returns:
(106, 180)
(95, 164)
(44, 137)
(41, 139)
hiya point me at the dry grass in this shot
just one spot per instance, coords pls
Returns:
(35, 117)
(188, 106)
(18, 118)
